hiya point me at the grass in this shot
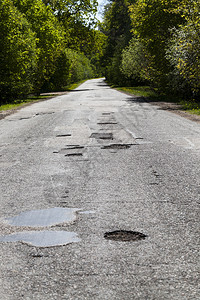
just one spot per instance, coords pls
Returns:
(152, 95)
(74, 85)
(143, 91)
(192, 107)
(30, 99)
(17, 103)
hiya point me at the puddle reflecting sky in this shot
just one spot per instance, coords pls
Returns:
(42, 238)
(44, 217)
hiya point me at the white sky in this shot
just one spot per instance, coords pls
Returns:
(100, 8)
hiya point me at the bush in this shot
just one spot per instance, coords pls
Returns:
(80, 67)
(70, 67)
(136, 62)
(183, 54)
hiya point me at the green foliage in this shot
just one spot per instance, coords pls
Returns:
(71, 67)
(50, 39)
(47, 44)
(18, 53)
(116, 26)
(184, 48)
(80, 67)
(135, 62)
(152, 21)
(79, 11)
(164, 50)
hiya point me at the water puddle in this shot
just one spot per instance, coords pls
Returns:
(87, 212)
(42, 238)
(43, 217)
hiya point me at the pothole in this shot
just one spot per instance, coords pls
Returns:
(102, 135)
(71, 151)
(124, 235)
(42, 238)
(74, 154)
(45, 113)
(107, 123)
(63, 135)
(25, 118)
(74, 147)
(117, 146)
(43, 217)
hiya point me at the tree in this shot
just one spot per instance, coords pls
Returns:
(116, 26)
(18, 53)
(135, 62)
(71, 67)
(184, 48)
(80, 11)
(151, 22)
(49, 37)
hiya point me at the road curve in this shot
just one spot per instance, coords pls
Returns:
(91, 162)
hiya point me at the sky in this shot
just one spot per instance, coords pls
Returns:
(100, 8)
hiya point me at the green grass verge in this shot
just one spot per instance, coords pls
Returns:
(20, 102)
(17, 103)
(73, 86)
(190, 106)
(143, 91)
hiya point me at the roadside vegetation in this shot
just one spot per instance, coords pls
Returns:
(153, 49)
(47, 45)
(16, 103)
(153, 95)
(146, 47)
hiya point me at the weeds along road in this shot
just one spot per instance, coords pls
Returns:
(88, 163)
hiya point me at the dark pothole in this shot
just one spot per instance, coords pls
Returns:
(117, 146)
(74, 154)
(63, 135)
(36, 255)
(107, 123)
(45, 113)
(25, 118)
(102, 136)
(74, 147)
(124, 235)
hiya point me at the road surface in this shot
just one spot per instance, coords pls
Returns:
(91, 162)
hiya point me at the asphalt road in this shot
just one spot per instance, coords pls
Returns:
(112, 162)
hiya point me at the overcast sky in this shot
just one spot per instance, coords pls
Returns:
(100, 8)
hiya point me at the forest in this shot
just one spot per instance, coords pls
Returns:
(154, 42)
(47, 44)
